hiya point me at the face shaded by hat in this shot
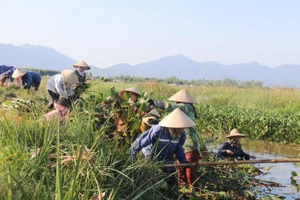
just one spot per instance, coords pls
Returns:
(82, 65)
(19, 72)
(177, 119)
(134, 90)
(235, 133)
(182, 96)
(69, 76)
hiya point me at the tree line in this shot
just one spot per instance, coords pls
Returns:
(193, 82)
(173, 80)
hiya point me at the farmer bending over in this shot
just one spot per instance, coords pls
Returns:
(61, 85)
(27, 79)
(184, 101)
(166, 139)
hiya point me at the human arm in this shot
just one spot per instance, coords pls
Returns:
(224, 150)
(69, 90)
(27, 80)
(59, 86)
(247, 156)
(146, 138)
(157, 103)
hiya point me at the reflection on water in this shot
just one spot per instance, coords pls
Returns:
(276, 172)
(272, 148)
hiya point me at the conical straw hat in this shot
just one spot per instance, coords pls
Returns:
(182, 96)
(147, 120)
(155, 113)
(69, 76)
(19, 72)
(134, 90)
(177, 119)
(235, 133)
(82, 64)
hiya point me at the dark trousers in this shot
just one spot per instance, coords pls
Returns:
(54, 97)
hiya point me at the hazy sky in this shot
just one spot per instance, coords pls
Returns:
(104, 33)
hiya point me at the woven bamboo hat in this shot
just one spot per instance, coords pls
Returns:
(82, 64)
(19, 72)
(182, 96)
(149, 120)
(133, 89)
(235, 133)
(177, 119)
(155, 113)
(69, 76)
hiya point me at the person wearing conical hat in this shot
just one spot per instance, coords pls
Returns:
(81, 66)
(133, 92)
(27, 79)
(232, 149)
(123, 125)
(150, 119)
(183, 100)
(129, 94)
(60, 85)
(166, 139)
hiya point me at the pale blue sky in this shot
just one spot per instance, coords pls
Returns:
(104, 33)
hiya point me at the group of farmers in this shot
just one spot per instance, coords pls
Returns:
(161, 140)
(176, 135)
(59, 86)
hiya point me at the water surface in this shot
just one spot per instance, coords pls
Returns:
(275, 172)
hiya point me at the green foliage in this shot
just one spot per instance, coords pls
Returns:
(74, 159)
(258, 125)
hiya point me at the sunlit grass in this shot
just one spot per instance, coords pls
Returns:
(73, 160)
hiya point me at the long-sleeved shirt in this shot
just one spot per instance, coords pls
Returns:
(238, 152)
(57, 85)
(31, 79)
(6, 70)
(192, 142)
(163, 146)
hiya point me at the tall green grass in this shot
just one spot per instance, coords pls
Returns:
(74, 160)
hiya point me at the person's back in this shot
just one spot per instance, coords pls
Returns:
(5, 68)
(31, 79)
(53, 81)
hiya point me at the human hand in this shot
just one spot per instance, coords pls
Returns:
(229, 152)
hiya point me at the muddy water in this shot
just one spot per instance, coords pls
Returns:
(275, 172)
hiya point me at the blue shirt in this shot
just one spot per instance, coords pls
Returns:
(8, 70)
(31, 79)
(163, 145)
(238, 152)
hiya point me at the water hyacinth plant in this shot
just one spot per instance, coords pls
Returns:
(75, 158)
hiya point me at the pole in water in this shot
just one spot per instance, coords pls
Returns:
(235, 162)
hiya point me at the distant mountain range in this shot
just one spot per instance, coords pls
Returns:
(42, 57)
